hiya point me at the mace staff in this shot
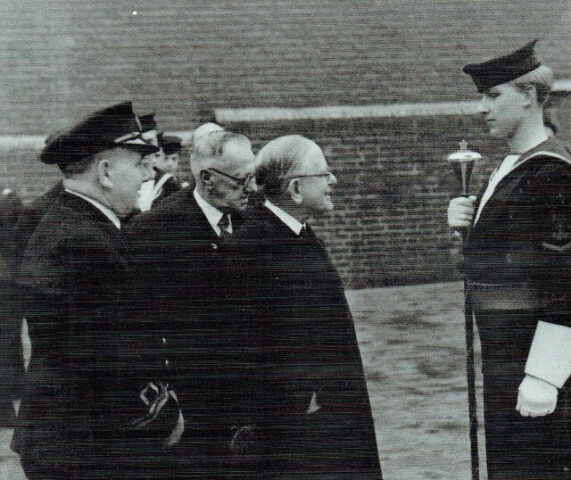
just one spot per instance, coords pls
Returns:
(462, 162)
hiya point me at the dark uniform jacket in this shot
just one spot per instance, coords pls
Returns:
(518, 265)
(88, 367)
(521, 244)
(30, 217)
(299, 331)
(179, 257)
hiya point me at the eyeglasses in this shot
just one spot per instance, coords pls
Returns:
(239, 181)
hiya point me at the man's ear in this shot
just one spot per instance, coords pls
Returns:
(103, 168)
(530, 94)
(206, 178)
(294, 191)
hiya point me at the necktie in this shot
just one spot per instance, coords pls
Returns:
(224, 225)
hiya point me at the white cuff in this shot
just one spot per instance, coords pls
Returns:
(549, 357)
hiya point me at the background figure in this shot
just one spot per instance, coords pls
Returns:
(10, 209)
(30, 217)
(518, 266)
(178, 248)
(166, 166)
(307, 411)
(11, 359)
(86, 414)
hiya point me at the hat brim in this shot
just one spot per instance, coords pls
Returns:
(143, 149)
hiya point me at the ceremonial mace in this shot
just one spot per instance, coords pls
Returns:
(462, 162)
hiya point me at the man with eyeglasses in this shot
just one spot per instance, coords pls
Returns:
(178, 249)
(306, 412)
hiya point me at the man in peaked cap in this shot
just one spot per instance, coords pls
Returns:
(87, 414)
(518, 266)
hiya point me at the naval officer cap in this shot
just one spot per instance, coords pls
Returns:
(503, 69)
(170, 144)
(116, 126)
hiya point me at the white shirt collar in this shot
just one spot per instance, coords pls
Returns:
(110, 214)
(294, 224)
(213, 215)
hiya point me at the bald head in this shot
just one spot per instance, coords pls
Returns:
(201, 131)
(293, 173)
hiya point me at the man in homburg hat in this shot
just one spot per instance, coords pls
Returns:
(518, 266)
(98, 407)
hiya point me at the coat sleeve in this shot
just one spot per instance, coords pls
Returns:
(550, 353)
(552, 193)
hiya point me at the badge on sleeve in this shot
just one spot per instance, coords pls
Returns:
(560, 239)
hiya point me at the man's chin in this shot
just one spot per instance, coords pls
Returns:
(241, 206)
(497, 133)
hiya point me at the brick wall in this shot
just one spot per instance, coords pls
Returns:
(62, 58)
(389, 225)
(186, 59)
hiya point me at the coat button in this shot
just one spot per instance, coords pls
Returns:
(167, 363)
(164, 340)
(214, 246)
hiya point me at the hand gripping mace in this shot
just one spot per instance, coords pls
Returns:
(462, 162)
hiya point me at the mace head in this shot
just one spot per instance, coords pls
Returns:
(462, 162)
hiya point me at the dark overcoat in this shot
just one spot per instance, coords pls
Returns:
(518, 264)
(292, 304)
(30, 217)
(178, 257)
(88, 365)
(11, 360)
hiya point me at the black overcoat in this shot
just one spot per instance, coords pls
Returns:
(88, 367)
(302, 338)
(178, 257)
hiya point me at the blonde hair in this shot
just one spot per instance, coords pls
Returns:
(541, 78)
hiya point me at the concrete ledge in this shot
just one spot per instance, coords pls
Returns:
(236, 115)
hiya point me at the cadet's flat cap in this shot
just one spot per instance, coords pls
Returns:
(170, 144)
(116, 126)
(503, 69)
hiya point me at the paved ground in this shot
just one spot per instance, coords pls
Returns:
(412, 342)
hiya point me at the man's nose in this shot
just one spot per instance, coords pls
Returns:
(251, 185)
(332, 179)
(483, 106)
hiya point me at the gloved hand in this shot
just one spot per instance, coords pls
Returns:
(461, 212)
(536, 397)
